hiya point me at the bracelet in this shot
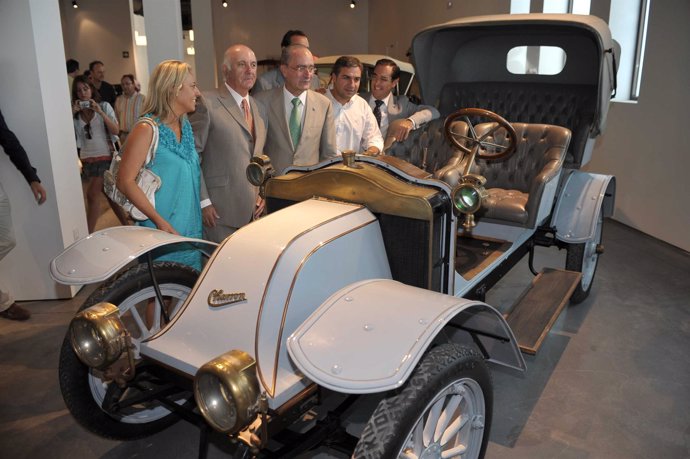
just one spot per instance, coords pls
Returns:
(414, 125)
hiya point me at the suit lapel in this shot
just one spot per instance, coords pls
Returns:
(228, 102)
(278, 108)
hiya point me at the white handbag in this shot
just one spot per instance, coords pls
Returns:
(148, 181)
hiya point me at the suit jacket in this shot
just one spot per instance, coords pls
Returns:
(226, 146)
(317, 141)
(401, 107)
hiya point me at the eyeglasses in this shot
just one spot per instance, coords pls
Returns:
(87, 130)
(304, 68)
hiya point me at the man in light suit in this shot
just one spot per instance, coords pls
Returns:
(397, 114)
(273, 78)
(227, 138)
(300, 131)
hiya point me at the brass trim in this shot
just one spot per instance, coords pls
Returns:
(369, 185)
(289, 295)
(357, 208)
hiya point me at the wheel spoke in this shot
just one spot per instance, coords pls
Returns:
(143, 329)
(454, 428)
(446, 416)
(454, 452)
(494, 145)
(432, 421)
(490, 132)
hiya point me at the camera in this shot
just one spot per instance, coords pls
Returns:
(84, 104)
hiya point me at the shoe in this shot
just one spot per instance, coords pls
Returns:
(15, 312)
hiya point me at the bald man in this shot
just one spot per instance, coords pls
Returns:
(228, 131)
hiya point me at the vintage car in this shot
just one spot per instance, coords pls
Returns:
(368, 274)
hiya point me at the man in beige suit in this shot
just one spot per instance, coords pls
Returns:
(300, 121)
(228, 131)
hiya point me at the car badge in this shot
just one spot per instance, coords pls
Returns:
(218, 298)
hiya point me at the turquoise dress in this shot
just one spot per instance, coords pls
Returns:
(177, 200)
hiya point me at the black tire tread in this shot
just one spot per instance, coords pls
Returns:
(387, 424)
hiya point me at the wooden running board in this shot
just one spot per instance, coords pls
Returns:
(537, 309)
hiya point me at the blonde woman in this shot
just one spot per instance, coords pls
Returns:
(128, 105)
(172, 93)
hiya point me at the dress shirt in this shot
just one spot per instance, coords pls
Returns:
(355, 125)
(287, 101)
(238, 98)
(384, 111)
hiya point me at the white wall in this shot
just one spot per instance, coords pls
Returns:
(393, 23)
(99, 30)
(35, 102)
(332, 26)
(647, 145)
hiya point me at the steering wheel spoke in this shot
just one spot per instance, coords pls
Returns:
(461, 141)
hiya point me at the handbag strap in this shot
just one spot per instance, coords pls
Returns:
(151, 155)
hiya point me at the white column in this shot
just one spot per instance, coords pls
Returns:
(163, 20)
(204, 52)
(35, 102)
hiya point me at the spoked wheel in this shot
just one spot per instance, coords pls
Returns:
(472, 141)
(84, 389)
(444, 411)
(584, 258)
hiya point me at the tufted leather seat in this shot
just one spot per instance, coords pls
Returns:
(432, 138)
(516, 185)
(567, 105)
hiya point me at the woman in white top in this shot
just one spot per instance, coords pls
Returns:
(95, 125)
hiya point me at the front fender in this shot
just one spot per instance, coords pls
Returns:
(582, 197)
(101, 254)
(369, 336)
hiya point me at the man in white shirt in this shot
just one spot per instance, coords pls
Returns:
(397, 115)
(355, 125)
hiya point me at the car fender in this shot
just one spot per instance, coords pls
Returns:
(101, 254)
(369, 336)
(582, 196)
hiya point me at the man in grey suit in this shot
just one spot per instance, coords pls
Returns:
(396, 115)
(300, 121)
(229, 130)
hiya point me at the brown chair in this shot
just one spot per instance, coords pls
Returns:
(516, 184)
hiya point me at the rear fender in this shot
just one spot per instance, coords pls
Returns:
(103, 253)
(369, 336)
(579, 202)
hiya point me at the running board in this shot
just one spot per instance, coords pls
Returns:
(537, 309)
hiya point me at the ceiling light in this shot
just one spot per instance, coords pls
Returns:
(224, 3)
(74, 4)
(353, 4)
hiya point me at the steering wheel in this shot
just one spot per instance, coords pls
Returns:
(479, 145)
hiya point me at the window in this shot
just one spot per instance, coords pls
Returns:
(628, 23)
(536, 60)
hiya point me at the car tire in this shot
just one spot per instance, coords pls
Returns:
(453, 377)
(81, 387)
(584, 258)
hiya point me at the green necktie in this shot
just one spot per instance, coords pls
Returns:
(295, 122)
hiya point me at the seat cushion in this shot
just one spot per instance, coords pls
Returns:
(505, 205)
